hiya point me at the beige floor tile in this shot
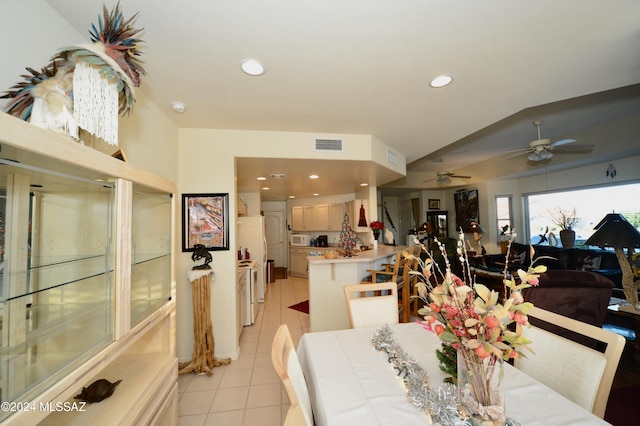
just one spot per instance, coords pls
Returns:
(263, 360)
(263, 416)
(245, 360)
(230, 399)
(183, 382)
(264, 395)
(225, 418)
(197, 420)
(236, 378)
(195, 402)
(264, 375)
(203, 382)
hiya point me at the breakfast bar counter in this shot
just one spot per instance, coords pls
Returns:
(327, 277)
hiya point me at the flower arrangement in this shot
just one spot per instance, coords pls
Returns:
(564, 219)
(377, 225)
(470, 318)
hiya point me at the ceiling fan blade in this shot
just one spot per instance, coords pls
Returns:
(429, 180)
(460, 176)
(574, 148)
(522, 152)
(563, 142)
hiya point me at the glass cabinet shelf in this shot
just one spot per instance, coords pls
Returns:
(87, 280)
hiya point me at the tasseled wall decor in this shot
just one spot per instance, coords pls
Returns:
(84, 86)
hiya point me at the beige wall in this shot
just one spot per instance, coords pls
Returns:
(207, 165)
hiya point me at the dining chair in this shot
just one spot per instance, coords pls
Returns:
(372, 305)
(580, 373)
(285, 362)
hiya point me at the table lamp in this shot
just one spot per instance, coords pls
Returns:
(477, 235)
(614, 231)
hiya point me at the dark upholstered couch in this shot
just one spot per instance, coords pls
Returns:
(603, 262)
(581, 295)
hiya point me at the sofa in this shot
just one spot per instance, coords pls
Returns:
(602, 262)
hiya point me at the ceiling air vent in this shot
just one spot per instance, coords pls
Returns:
(328, 144)
(392, 157)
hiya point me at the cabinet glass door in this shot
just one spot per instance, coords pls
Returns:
(150, 253)
(56, 276)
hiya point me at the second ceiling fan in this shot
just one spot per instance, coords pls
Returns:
(541, 149)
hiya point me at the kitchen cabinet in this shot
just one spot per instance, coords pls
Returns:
(298, 261)
(310, 219)
(323, 219)
(336, 216)
(298, 264)
(303, 218)
(297, 218)
(87, 282)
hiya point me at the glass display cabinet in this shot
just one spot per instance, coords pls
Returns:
(439, 221)
(86, 282)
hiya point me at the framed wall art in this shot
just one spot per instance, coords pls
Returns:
(466, 205)
(205, 220)
(434, 204)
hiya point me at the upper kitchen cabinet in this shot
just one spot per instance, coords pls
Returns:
(87, 287)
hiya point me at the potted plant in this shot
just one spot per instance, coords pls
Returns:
(377, 227)
(565, 220)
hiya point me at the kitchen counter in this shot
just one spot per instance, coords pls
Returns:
(327, 278)
(366, 256)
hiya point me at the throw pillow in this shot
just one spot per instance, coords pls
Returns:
(517, 258)
(590, 263)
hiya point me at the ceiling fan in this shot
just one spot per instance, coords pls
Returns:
(444, 177)
(541, 149)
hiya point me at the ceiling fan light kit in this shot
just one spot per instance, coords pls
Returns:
(540, 149)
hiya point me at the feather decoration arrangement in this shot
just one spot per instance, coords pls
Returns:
(98, 79)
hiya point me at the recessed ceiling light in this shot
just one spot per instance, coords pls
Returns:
(266, 188)
(364, 184)
(178, 107)
(315, 194)
(252, 67)
(292, 196)
(441, 81)
(314, 177)
(261, 178)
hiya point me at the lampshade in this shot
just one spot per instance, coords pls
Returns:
(476, 228)
(614, 231)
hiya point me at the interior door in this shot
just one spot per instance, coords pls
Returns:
(276, 236)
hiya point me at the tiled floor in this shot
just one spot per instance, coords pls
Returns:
(248, 391)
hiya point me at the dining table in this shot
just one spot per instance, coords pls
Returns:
(350, 382)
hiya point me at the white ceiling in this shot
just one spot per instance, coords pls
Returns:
(363, 67)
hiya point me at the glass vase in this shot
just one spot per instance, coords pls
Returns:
(481, 389)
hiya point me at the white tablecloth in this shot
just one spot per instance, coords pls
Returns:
(352, 383)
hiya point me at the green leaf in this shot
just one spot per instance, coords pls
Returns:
(482, 291)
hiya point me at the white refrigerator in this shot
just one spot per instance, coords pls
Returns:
(251, 235)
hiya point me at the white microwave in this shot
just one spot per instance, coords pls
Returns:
(300, 240)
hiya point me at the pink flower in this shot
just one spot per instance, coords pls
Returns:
(435, 308)
(520, 318)
(481, 352)
(439, 329)
(491, 322)
(534, 281)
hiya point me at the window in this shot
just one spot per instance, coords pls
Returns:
(590, 204)
(503, 214)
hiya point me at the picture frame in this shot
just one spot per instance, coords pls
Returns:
(205, 220)
(434, 204)
(466, 205)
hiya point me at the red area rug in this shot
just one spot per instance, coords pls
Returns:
(301, 307)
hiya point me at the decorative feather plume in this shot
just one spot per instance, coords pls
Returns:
(21, 93)
(118, 37)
